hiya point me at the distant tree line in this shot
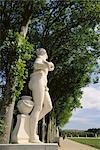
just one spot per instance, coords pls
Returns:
(94, 132)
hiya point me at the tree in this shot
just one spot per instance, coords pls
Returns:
(68, 31)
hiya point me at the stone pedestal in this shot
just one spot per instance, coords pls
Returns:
(20, 133)
(45, 146)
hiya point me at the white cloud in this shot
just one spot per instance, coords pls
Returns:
(91, 98)
(89, 115)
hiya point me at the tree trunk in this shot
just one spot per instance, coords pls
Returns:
(52, 132)
(8, 122)
(43, 129)
(24, 29)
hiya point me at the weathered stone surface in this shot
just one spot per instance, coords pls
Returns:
(40, 92)
(45, 146)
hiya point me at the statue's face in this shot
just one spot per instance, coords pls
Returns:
(45, 56)
(42, 53)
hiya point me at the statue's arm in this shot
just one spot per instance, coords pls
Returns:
(51, 66)
(39, 64)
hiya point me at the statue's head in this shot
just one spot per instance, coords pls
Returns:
(42, 53)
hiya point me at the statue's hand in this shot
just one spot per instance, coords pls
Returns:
(46, 88)
(51, 66)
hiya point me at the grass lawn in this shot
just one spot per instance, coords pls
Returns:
(95, 142)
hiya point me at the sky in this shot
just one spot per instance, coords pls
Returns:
(89, 116)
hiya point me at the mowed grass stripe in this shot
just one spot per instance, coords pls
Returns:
(94, 142)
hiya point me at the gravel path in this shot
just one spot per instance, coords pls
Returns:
(71, 145)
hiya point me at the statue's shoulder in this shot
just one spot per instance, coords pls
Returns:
(38, 60)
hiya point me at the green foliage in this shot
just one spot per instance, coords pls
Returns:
(25, 52)
(67, 31)
(17, 51)
(15, 14)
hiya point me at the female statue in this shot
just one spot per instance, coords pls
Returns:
(40, 94)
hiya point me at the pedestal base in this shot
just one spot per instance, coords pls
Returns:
(45, 146)
(20, 133)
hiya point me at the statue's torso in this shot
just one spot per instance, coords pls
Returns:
(39, 74)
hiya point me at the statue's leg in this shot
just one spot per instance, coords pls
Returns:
(47, 105)
(38, 91)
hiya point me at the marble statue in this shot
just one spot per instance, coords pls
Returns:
(40, 92)
(25, 130)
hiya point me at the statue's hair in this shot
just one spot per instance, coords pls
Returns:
(40, 51)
